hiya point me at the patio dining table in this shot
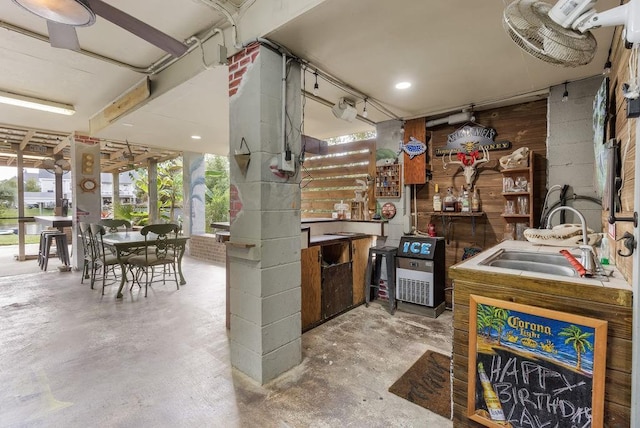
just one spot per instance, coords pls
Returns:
(124, 244)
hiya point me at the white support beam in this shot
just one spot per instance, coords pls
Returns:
(62, 145)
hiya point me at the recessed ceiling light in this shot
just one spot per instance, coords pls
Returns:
(403, 85)
(127, 124)
(196, 137)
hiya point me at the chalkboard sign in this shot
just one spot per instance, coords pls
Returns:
(533, 368)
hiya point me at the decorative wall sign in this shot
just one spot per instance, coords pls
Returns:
(388, 211)
(534, 367)
(87, 163)
(413, 148)
(88, 185)
(468, 137)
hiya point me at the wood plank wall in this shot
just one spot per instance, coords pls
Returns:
(415, 171)
(624, 130)
(525, 125)
(331, 178)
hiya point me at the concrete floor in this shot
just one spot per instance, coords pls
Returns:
(70, 357)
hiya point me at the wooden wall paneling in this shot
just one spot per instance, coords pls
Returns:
(524, 125)
(331, 178)
(572, 300)
(625, 133)
(415, 170)
(311, 288)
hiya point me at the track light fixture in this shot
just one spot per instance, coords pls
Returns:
(565, 95)
(316, 88)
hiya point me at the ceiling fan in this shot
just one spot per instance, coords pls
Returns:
(561, 34)
(56, 166)
(64, 15)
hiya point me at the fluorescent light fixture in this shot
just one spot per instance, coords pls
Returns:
(36, 104)
(196, 137)
(403, 85)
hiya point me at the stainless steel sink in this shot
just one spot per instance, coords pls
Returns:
(554, 264)
(532, 257)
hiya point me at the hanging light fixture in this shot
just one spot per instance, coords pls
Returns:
(316, 88)
(365, 113)
(68, 12)
(565, 95)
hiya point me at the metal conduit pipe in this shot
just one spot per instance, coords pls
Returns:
(354, 91)
(328, 78)
(37, 36)
(234, 28)
(283, 50)
(152, 69)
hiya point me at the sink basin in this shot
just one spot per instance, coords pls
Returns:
(554, 264)
(553, 258)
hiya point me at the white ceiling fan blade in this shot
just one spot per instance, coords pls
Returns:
(139, 28)
(63, 36)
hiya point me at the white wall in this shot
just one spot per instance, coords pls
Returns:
(389, 137)
(570, 147)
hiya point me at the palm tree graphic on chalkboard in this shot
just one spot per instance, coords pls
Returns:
(579, 340)
(492, 318)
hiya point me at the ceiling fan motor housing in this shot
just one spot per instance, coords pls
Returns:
(566, 12)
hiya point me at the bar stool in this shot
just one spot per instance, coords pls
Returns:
(62, 249)
(374, 269)
(43, 245)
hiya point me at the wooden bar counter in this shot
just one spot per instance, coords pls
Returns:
(609, 301)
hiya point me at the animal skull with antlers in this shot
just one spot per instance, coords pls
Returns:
(469, 162)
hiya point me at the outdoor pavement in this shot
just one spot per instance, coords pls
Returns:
(9, 265)
(71, 357)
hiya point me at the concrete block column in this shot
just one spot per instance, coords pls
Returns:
(87, 200)
(264, 249)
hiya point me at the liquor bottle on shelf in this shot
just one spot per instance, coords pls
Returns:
(475, 200)
(491, 398)
(449, 201)
(465, 202)
(437, 200)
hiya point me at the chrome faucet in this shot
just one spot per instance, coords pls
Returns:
(588, 258)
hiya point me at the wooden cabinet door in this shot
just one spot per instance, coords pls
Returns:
(311, 307)
(359, 258)
(336, 289)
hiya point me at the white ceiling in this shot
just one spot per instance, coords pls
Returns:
(455, 52)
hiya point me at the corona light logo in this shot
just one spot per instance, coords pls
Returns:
(516, 322)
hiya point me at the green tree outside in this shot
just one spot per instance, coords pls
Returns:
(32, 185)
(170, 191)
(217, 183)
(8, 194)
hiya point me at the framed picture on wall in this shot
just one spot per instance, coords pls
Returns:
(600, 120)
(530, 366)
